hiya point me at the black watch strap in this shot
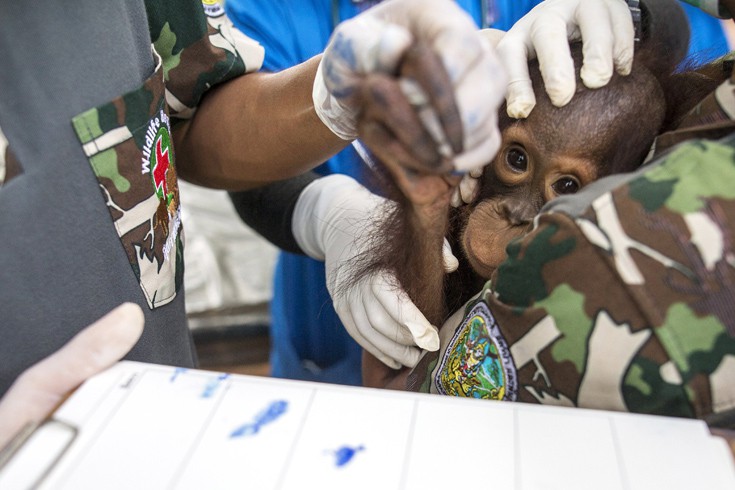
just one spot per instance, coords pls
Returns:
(635, 12)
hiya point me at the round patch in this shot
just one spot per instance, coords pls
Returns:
(158, 161)
(477, 362)
(213, 8)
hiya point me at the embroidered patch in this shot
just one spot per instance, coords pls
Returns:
(213, 8)
(128, 145)
(158, 161)
(477, 362)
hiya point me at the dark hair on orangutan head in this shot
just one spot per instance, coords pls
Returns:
(613, 125)
(616, 124)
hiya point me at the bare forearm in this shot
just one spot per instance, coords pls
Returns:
(253, 130)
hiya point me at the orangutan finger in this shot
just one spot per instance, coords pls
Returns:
(424, 66)
(385, 104)
(383, 144)
(420, 188)
(392, 157)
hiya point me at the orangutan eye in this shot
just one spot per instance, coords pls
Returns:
(565, 185)
(517, 159)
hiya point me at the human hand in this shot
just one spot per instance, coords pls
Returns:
(376, 41)
(604, 26)
(467, 189)
(40, 388)
(330, 223)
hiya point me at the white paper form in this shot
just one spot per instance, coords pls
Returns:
(147, 426)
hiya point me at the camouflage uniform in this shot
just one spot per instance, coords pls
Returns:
(70, 268)
(621, 298)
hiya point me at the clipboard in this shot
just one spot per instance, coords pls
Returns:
(144, 426)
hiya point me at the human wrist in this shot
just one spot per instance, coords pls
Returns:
(340, 119)
(329, 209)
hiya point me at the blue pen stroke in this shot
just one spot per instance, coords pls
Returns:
(213, 384)
(176, 373)
(274, 410)
(344, 454)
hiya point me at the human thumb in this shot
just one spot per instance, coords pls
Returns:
(41, 387)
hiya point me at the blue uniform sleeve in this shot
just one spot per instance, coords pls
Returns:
(708, 40)
(290, 31)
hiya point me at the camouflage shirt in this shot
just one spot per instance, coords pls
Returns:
(621, 298)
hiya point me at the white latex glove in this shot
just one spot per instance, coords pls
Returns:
(376, 40)
(40, 388)
(468, 187)
(606, 29)
(330, 223)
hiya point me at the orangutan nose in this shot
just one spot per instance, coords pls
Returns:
(519, 212)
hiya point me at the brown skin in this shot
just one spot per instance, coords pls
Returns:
(263, 127)
(255, 129)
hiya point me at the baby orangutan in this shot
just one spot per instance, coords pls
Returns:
(554, 152)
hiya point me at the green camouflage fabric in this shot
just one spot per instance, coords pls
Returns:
(712, 7)
(199, 47)
(711, 118)
(128, 140)
(627, 304)
(628, 307)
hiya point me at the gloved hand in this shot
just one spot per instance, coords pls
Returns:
(331, 223)
(468, 188)
(606, 29)
(376, 41)
(40, 388)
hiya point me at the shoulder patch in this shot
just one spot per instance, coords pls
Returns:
(158, 161)
(213, 8)
(477, 362)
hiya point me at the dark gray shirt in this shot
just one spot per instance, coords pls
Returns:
(62, 265)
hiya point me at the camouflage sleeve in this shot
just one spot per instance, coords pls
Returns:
(628, 306)
(712, 7)
(199, 48)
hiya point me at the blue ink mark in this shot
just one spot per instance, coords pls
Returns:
(342, 59)
(345, 454)
(179, 370)
(274, 410)
(213, 385)
(245, 430)
(345, 51)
